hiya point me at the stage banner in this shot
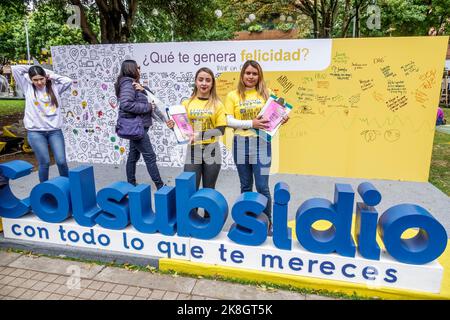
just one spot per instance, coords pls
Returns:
(362, 108)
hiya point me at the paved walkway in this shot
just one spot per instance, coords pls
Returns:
(28, 277)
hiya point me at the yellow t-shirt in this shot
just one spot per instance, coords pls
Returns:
(244, 110)
(203, 118)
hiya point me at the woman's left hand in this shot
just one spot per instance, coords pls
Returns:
(285, 119)
(196, 136)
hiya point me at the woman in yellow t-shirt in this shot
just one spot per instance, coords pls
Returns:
(206, 115)
(252, 154)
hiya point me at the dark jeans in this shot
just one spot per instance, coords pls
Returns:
(144, 147)
(39, 142)
(253, 157)
(205, 161)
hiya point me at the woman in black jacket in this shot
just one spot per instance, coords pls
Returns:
(132, 97)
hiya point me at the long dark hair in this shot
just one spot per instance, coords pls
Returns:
(130, 69)
(39, 71)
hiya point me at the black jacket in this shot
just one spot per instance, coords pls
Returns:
(133, 102)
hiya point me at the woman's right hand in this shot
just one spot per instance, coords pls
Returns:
(260, 123)
(137, 86)
(170, 124)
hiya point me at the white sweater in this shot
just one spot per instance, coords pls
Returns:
(40, 113)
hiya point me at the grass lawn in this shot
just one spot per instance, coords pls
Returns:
(11, 106)
(440, 160)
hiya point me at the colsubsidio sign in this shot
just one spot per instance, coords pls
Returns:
(70, 212)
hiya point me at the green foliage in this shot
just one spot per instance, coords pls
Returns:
(255, 28)
(12, 29)
(185, 20)
(398, 17)
(410, 18)
(46, 27)
(190, 20)
(285, 26)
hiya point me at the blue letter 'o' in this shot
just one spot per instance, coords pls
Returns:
(426, 246)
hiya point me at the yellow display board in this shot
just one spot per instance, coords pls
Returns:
(370, 114)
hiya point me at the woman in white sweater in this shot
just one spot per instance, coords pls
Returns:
(43, 118)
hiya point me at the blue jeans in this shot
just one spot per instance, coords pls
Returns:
(39, 142)
(253, 157)
(144, 147)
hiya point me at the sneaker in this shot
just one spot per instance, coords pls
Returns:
(161, 186)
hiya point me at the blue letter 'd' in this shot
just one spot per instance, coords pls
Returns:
(337, 238)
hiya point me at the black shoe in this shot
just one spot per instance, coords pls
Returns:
(164, 185)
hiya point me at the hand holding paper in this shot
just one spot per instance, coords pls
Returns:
(182, 128)
(275, 112)
(259, 122)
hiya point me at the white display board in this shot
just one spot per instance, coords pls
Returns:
(168, 69)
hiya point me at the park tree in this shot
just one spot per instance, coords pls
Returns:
(344, 18)
(187, 20)
(46, 27)
(60, 22)
(124, 20)
(328, 18)
(415, 17)
(12, 35)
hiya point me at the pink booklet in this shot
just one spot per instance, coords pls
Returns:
(183, 123)
(274, 112)
(183, 129)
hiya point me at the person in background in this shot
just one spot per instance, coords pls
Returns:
(43, 118)
(133, 102)
(440, 118)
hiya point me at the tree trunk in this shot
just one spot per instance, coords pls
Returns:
(357, 22)
(86, 30)
(346, 19)
(116, 20)
(316, 20)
